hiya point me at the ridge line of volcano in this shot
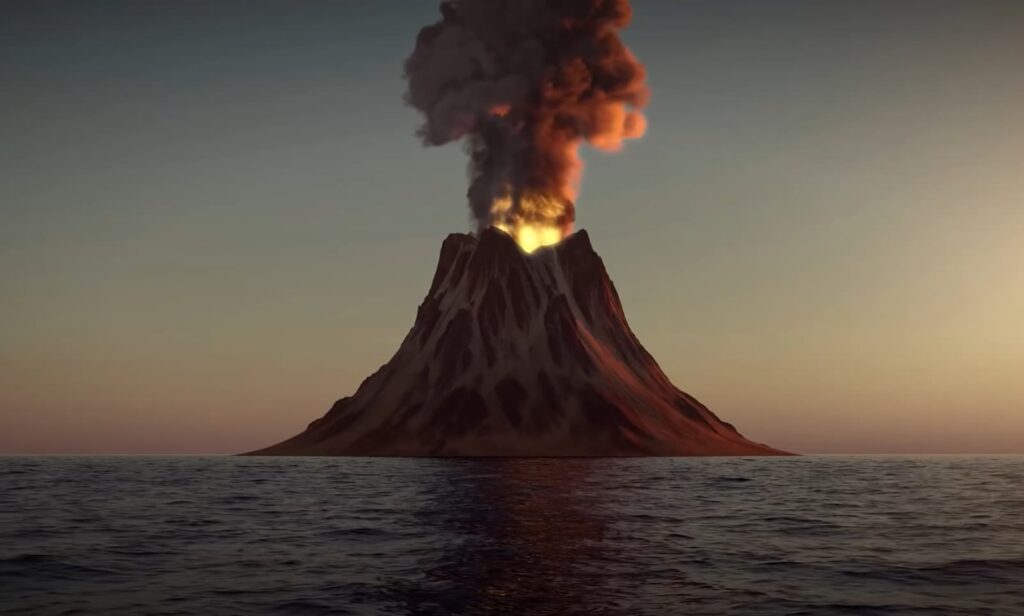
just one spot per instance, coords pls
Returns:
(551, 369)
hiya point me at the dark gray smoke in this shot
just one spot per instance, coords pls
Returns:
(525, 82)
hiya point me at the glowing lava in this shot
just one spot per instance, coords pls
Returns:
(534, 221)
(531, 237)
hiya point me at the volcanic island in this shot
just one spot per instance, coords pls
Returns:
(521, 347)
(519, 354)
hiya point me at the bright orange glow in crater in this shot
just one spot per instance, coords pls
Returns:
(539, 220)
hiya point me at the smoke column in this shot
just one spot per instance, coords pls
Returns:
(524, 82)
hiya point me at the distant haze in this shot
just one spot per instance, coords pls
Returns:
(216, 218)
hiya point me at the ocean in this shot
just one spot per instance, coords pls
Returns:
(903, 535)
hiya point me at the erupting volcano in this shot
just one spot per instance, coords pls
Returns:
(521, 347)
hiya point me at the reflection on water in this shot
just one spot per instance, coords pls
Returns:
(811, 535)
(512, 550)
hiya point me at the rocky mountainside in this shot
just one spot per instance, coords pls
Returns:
(516, 354)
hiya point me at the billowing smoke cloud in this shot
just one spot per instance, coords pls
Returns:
(525, 82)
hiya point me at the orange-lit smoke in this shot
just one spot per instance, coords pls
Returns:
(526, 82)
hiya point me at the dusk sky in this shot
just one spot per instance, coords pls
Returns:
(217, 218)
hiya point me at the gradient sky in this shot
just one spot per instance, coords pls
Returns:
(216, 219)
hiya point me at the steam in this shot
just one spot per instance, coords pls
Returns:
(525, 82)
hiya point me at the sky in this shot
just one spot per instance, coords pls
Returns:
(216, 218)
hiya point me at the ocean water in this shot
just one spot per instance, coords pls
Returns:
(224, 535)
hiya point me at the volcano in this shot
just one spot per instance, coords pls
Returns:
(516, 354)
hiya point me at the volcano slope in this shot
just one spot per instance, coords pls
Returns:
(516, 354)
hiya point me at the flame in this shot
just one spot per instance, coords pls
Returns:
(537, 221)
(531, 237)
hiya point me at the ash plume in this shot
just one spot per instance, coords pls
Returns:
(525, 82)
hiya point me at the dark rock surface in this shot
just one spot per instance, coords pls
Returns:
(516, 354)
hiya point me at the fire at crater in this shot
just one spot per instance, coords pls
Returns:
(525, 83)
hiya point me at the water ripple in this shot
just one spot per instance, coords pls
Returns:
(814, 535)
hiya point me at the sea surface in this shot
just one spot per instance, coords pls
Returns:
(226, 535)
